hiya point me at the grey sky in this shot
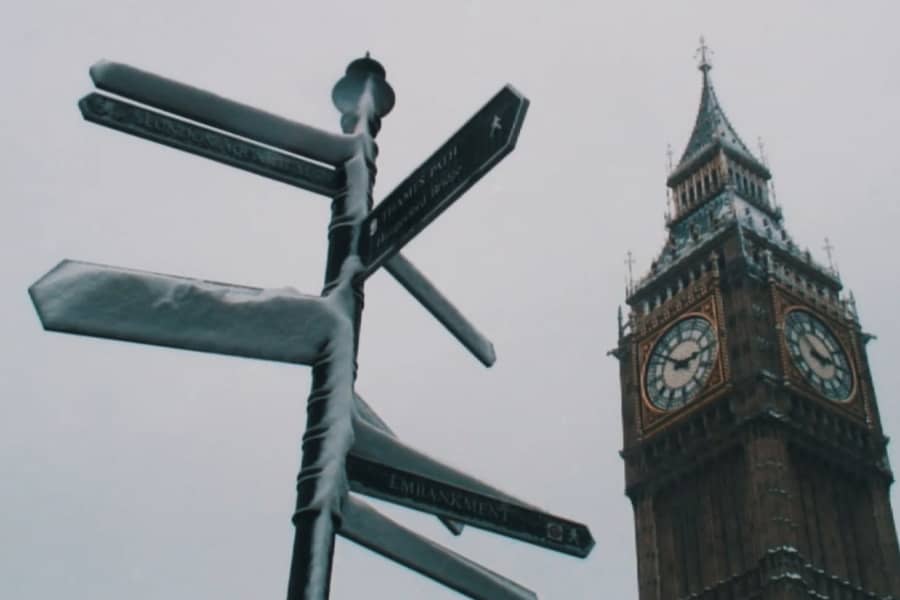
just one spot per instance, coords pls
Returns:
(152, 473)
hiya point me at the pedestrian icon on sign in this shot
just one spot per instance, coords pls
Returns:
(496, 125)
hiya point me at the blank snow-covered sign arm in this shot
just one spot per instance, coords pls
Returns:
(179, 312)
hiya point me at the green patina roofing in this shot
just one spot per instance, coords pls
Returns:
(712, 128)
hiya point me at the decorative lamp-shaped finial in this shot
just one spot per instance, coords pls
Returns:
(364, 76)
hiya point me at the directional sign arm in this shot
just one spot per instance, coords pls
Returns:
(368, 414)
(367, 527)
(384, 467)
(191, 314)
(432, 495)
(435, 302)
(465, 158)
(227, 149)
(205, 107)
(375, 445)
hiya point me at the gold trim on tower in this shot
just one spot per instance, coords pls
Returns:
(708, 308)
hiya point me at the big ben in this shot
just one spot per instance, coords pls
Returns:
(754, 455)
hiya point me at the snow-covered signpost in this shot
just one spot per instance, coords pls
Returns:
(346, 446)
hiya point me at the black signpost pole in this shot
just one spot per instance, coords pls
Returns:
(362, 96)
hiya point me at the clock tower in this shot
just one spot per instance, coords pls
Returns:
(754, 455)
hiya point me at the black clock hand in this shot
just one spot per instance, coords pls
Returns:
(824, 360)
(682, 363)
(677, 363)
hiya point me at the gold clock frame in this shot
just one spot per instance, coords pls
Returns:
(856, 404)
(709, 307)
(798, 374)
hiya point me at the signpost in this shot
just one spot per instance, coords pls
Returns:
(346, 446)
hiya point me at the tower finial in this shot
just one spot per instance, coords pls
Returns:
(629, 262)
(704, 53)
(829, 251)
(762, 151)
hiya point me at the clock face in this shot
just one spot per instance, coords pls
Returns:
(818, 355)
(680, 363)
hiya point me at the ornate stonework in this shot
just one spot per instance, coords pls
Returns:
(770, 481)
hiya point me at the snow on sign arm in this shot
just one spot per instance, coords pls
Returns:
(214, 110)
(125, 304)
(471, 152)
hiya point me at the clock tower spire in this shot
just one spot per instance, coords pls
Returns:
(754, 455)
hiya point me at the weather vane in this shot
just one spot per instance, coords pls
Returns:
(704, 53)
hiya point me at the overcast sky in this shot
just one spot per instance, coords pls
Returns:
(141, 472)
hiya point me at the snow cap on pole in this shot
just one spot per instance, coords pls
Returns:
(348, 91)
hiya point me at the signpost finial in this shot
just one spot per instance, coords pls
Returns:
(349, 90)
